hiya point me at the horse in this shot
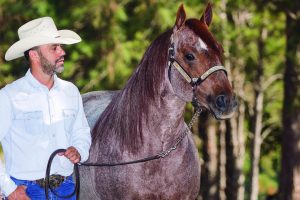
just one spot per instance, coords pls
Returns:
(144, 118)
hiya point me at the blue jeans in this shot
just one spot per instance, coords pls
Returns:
(35, 192)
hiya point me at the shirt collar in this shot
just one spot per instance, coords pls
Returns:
(35, 83)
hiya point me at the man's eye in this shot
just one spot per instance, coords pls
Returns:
(55, 47)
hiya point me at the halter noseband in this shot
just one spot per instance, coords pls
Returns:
(198, 80)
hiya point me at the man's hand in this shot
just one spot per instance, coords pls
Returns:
(72, 154)
(19, 194)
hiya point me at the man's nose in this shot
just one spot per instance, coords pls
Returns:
(60, 51)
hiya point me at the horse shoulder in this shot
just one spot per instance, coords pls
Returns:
(94, 103)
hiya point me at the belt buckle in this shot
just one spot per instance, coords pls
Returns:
(41, 182)
(54, 181)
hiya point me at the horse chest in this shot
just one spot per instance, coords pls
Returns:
(174, 177)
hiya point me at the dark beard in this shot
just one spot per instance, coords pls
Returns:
(48, 67)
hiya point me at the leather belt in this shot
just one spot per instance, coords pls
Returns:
(54, 180)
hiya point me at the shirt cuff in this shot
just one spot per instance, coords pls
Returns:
(7, 185)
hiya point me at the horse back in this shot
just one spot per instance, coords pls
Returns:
(94, 103)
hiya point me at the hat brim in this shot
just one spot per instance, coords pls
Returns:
(17, 49)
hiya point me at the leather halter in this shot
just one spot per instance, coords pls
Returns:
(194, 81)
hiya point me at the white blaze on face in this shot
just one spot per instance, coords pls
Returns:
(202, 44)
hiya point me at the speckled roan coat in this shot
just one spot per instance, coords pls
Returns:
(147, 116)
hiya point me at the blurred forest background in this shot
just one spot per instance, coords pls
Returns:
(254, 155)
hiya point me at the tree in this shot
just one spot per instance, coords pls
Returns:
(290, 173)
(209, 172)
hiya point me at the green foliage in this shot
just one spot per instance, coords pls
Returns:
(269, 167)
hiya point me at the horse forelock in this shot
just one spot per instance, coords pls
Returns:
(122, 119)
(202, 31)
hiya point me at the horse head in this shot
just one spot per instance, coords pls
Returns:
(195, 65)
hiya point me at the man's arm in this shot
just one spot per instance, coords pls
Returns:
(6, 184)
(81, 135)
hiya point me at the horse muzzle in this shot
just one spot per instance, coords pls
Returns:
(223, 107)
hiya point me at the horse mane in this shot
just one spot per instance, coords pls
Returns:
(122, 120)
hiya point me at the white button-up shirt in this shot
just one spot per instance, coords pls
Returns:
(34, 122)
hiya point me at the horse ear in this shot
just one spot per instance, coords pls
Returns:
(180, 18)
(207, 15)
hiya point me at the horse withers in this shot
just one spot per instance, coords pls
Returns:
(181, 65)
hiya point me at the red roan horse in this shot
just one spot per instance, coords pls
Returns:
(147, 116)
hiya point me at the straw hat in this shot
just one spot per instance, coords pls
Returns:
(39, 32)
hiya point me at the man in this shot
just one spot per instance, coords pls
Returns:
(40, 113)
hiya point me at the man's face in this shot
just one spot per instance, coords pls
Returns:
(51, 58)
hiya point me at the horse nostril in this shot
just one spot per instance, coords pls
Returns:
(221, 102)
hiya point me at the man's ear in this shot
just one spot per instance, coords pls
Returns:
(33, 54)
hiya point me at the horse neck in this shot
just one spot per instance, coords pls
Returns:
(166, 115)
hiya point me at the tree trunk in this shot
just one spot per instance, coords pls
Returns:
(258, 117)
(235, 152)
(222, 161)
(290, 173)
(255, 149)
(234, 136)
(209, 180)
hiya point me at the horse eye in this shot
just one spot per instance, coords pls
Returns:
(190, 57)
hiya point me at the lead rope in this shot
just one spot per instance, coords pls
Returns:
(76, 170)
(47, 178)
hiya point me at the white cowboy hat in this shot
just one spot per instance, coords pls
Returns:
(39, 32)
